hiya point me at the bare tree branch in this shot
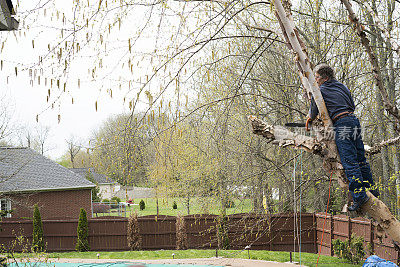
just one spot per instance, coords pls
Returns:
(392, 109)
(377, 148)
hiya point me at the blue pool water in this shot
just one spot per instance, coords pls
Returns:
(109, 264)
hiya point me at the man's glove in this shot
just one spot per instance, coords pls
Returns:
(308, 123)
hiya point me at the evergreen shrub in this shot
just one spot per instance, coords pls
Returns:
(142, 205)
(82, 243)
(37, 235)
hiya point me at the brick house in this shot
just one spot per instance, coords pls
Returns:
(107, 186)
(28, 178)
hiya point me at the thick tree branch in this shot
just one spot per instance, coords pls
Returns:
(281, 136)
(305, 69)
(377, 148)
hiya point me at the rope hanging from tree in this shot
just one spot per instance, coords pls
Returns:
(297, 221)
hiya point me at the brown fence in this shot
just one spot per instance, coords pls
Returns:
(259, 232)
(274, 232)
(342, 227)
(159, 232)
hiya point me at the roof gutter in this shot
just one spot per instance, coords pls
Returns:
(48, 189)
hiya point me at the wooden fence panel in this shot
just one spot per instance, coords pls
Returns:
(284, 237)
(275, 233)
(12, 230)
(249, 230)
(308, 235)
(108, 234)
(385, 249)
(158, 232)
(343, 227)
(201, 231)
(60, 235)
(323, 225)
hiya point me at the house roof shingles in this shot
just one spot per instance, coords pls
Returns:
(97, 177)
(22, 170)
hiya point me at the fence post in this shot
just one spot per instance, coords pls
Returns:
(331, 239)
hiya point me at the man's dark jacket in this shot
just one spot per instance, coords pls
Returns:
(337, 99)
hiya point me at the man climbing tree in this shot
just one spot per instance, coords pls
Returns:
(320, 144)
(347, 128)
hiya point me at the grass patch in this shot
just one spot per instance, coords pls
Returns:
(197, 206)
(308, 259)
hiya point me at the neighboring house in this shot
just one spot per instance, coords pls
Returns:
(28, 178)
(131, 192)
(107, 187)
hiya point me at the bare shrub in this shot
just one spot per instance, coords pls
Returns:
(181, 237)
(134, 238)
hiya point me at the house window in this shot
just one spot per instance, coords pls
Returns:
(5, 205)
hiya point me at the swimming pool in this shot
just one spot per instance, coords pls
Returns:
(106, 264)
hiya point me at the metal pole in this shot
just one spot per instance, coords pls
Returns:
(301, 178)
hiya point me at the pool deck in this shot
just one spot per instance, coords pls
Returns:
(201, 261)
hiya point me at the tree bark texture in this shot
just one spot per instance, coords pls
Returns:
(305, 70)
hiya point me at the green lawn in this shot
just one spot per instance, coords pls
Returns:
(197, 206)
(308, 259)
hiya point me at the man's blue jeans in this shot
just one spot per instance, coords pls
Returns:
(352, 155)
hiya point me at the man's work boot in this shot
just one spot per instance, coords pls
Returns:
(357, 205)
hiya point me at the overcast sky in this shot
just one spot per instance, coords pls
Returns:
(78, 120)
(25, 99)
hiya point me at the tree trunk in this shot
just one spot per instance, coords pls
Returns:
(187, 203)
(258, 195)
(269, 203)
(384, 151)
(158, 211)
(388, 77)
(383, 58)
(392, 94)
